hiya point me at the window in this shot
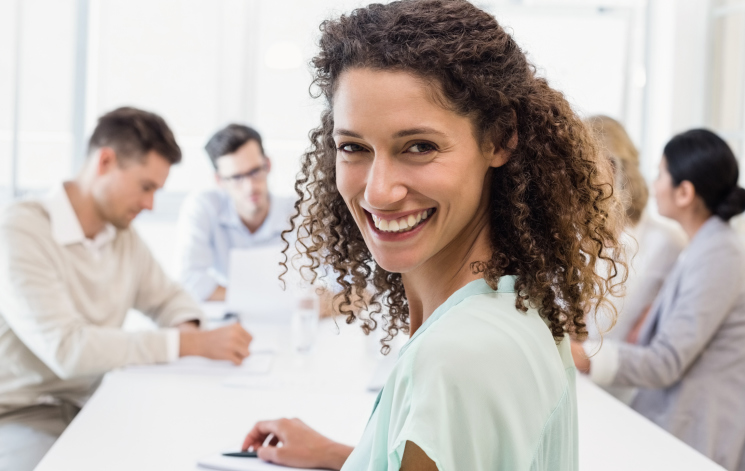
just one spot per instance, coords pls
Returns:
(726, 113)
(726, 81)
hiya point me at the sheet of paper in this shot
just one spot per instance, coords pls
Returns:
(266, 339)
(229, 463)
(255, 364)
(254, 286)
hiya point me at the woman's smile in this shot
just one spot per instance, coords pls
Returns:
(400, 226)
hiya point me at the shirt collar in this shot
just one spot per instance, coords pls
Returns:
(506, 284)
(66, 228)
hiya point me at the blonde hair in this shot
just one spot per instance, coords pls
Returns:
(618, 148)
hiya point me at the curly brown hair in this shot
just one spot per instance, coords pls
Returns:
(554, 221)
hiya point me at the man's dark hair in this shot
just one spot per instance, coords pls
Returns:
(132, 133)
(230, 139)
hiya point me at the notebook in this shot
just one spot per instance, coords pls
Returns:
(229, 463)
(254, 364)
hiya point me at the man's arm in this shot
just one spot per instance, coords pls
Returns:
(159, 297)
(39, 309)
(170, 306)
(195, 252)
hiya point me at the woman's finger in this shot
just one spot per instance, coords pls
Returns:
(254, 439)
(272, 454)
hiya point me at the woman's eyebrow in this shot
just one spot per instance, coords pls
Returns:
(414, 131)
(402, 133)
(345, 132)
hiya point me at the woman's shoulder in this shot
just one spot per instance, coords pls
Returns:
(494, 375)
(491, 324)
(717, 242)
(487, 343)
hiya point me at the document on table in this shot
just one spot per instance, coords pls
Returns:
(254, 286)
(230, 463)
(254, 364)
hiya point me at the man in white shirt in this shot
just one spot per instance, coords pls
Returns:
(70, 269)
(240, 213)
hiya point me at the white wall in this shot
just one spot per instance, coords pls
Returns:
(677, 62)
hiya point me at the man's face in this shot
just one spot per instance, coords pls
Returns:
(243, 175)
(124, 187)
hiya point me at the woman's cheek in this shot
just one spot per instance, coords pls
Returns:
(350, 180)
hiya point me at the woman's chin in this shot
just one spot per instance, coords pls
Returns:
(395, 263)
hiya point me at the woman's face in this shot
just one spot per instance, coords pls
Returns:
(664, 191)
(410, 171)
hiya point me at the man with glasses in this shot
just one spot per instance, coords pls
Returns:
(240, 213)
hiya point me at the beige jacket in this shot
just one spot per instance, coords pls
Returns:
(63, 300)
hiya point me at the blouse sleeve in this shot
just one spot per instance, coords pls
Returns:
(467, 408)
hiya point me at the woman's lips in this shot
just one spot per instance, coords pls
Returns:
(399, 228)
(401, 224)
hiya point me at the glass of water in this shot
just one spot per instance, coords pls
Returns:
(304, 324)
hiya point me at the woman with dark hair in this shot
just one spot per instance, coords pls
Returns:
(689, 361)
(464, 193)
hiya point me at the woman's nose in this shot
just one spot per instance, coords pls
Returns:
(385, 185)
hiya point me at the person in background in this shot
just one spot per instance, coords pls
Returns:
(689, 363)
(71, 267)
(240, 213)
(651, 245)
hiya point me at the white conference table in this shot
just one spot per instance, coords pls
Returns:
(158, 419)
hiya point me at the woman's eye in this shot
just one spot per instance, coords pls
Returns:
(420, 148)
(349, 148)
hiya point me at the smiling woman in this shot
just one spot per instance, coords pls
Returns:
(465, 194)
(414, 76)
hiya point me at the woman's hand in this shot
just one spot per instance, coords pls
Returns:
(302, 447)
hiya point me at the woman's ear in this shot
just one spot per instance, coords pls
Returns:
(499, 156)
(684, 194)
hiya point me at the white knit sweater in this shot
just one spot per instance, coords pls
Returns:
(62, 307)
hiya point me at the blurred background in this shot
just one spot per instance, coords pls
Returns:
(658, 66)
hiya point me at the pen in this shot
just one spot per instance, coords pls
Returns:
(242, 454)
(252, 453)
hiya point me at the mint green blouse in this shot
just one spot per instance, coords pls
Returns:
(479, 386)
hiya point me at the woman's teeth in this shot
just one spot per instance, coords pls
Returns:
(403, 224)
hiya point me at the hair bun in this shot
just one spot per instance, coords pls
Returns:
(733, 204)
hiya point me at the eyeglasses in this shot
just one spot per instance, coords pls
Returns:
(256, 174)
